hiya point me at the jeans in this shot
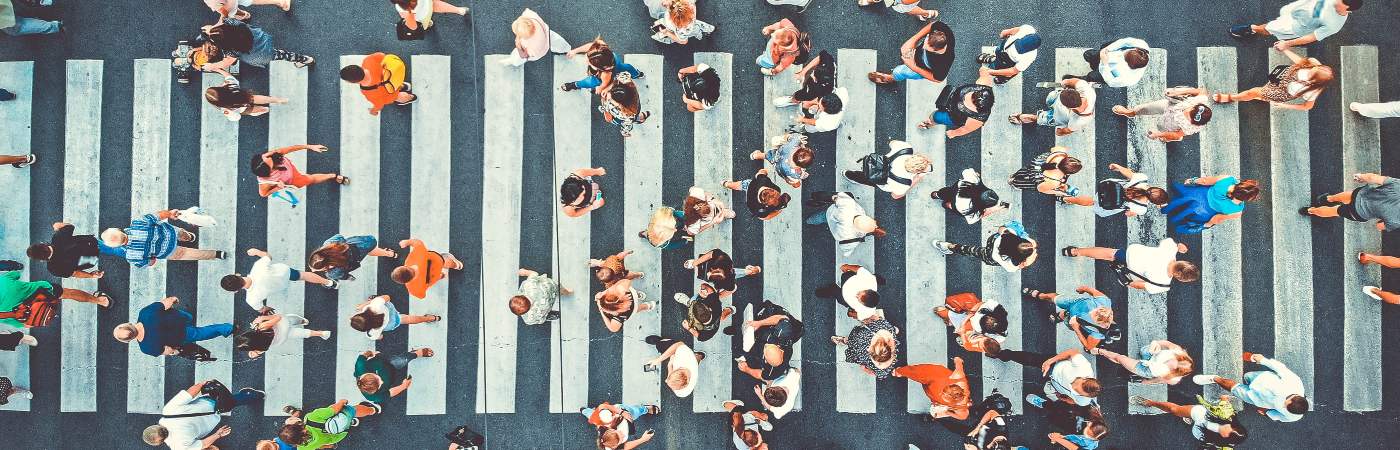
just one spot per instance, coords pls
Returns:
(25, 26)
(592, 81)
(247, 396)
(637, 411)
(196, 334)
(943, 118)
(903, 72)
(765, 60)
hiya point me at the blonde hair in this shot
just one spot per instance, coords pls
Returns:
(917, 164)
(522, 27)
(128, 330)
(678, 379)
(154, 435)
(113, 237)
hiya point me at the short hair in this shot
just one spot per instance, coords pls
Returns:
(609, 438)
(939, 39)
(1070, 165)
(602, 58)
(955, 393)
(128, 332)
(604, 274)
(1297, 404)
(1200, 115)
(831, 103)
(881, 351)
(403, 274)
(154, 435)
(1092, 387)
(40, 251)
(991, 347)
(702, 312)
(991, 324)
(519, 305)
(775, 396)
(1136, 58)
(522, 27)
(1071, 98)
(917, 164)
(678, 379)
(369, 383)
(1187, 272)
(352, 73)
(232, 282)
(770, 197)
(294, 434)
(1095, 430)
(802, 156)
(1246, 190)
(112, 237)
(751, 437)
(1353, 5)
(869, 297)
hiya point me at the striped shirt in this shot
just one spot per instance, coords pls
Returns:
(149, 237)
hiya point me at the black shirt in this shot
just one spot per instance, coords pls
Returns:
(69, 251)
(756, 207)
(938, 63)
(1009, 246)
(955, 105)
(820, 80)
(708, 329)
(718, 260)
(702, 86)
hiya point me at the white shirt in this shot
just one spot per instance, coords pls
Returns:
(268, 279)
(186, 432)
(1271, 389)
(1023, 60)
(1068, 118)
(684, 358)
(1115, 70)
(825, 121)
(1138, 207)
(1318, 17)
(1062, 376)
(1159, 363)
(840, 219)
(1153, 263)
(863, 280)
(376, 305)
(792, 383)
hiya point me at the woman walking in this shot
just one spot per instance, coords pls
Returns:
(1049, 174)
(622, 106)
(1377, 199)
(579, 193)
(977, 325)
(1204, 202)
(603, 67)
(785, 47)
(872, 345)
(699, 87)
(1090, 316)
(1305, 79)
(378, 315)
(340, 255)
(235, 102)
(618, 302)
(533, 39)
(232, 39)
(1009, 247)
(704, 211)
(613, 268)
(790, 157)
(277, 173)
(270, 330)
(1162, 362)
(845, 218)
(418, 14)
(676, 22)
(898, 171)
(1129, 195)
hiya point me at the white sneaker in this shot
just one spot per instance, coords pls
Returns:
(1203, 379)
(682, 298)
(943, 247)
(29, 340)
(1371, 291)
(326, 335)
(784, 101)
(29, 395)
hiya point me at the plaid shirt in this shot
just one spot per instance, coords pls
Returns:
(149, 238)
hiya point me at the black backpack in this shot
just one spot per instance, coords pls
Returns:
(1113, 195)
(877, 166)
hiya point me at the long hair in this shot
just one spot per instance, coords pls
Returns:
(254, 339)
(695, 209)
(260, 167)
(226, 96)
(624, 94)
(329, 256)
(681, 12)
(366, 320)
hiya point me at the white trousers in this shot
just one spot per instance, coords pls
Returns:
(557, 44)
(1378, 110)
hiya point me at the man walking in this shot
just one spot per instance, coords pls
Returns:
(1068, 108)
(857, 290)
(423, 268)
(1120, 63)
(71, 255)
(160, 329)
(926, 56)
(1302, 22)
(1018, 49)
(26, 304)
(267, 279)
(189, 419)
(846, 219)
(381, 377)
(536, 300)
(1278, 392)
(382, 79)
(152, 238)
(1069, 376)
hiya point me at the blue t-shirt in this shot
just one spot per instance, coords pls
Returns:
(163, 327)
(1083, 441)
(1219, 199)
(1081, 307)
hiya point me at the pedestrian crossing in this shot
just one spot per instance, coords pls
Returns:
(922, 336)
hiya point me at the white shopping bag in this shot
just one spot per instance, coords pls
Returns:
(196, 216)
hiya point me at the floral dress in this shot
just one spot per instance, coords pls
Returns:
(858, 344)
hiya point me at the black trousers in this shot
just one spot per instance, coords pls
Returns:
(1028, 359)
(859, 177)
(983, 254)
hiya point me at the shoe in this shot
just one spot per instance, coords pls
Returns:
(1035, 400)
(258, 393)
(307, 62)
(986, 58)
(943, 247)
(652, 340)
(326, 336)
(1371, 291)
(28, 160)
(1203, 379)
(29, 340)
(783, 101)
(729, 330)
(1248, 357)
(640, 75)
(699, 356)
(1243, 31)
(681, 298)
(1304, 211)
(648, 367)
(332, 284)
(1321, 200)
(567, 87)
(291, 410)
(6, 96)
(1137, 400)
(407, 87)
(28, 395)
(552, 315)
(355, 422)
(219, 254)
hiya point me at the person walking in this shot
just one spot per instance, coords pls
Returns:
(190, 420)
(1389, 262)
(339, 255)
(895, 171)
(675, 21)
(151, 238)
(1383, 110)
(231, 40)
(1305, 79)
(977, 325)
(1069, 376)
(1089, 316)
(29, 304)
(704, 211)
(717, 268)
(603, 67)
(910, 7)
(1182, 113)
(779, 395)
(682, 364)
(378, 315)
(234, 102)
(538, 297)
(1048, 173)
(963, 109)
(1302, 22)
(1159, 362)
(947, 389)
(1129, 196)
(17, 161)
(278, 173)
(1068, 108)
(71, 255)
(267, 279)
(1009, 247)
(858, 289)
(1216, 425)
(533, 39)
(621, 105)
(1276, 392)
(579, 193)
(423, 268)
(618, 302)
(822, 114)
(1204, 202)
(969, 197)
(818, 77)
(1138, 266)
(613, 268)
(872, 345)
(785, 46)
(160, 329)
(1119, 63)
(13, 24)
(703, 312)
(767, 343)
(846, 219)
(762, 196)
(381, 377)
(748, 425)
(8, 389)
(383, 81)
(1378, 198)
(790, 156)
(1018, 49)
(234, 8)
(418, 14)
(700, 86)
(928, 55)
(324, 427)
(615, 424)
(269, 330)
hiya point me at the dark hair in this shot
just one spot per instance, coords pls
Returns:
(231, 282)
(1297, 405)
(1092, 387)
(601, 58)
(1136, 58)
(1155, 195)
(702, 312)
(1200, 115)
(751, 437)
(1070, 165)
(519, 305)
(294, 434)
(1246, 190)
(991, 347)
(402, 274)
(352, 73)
(254, 339)
(991, 324)
(366, 320)
(1187, 272)
(1071, 99)
(571, 188)
(228, 96)
(625, 94)
(329, 256)
(40, 251)
(983, 99)
(775, 396)
(831, 103)
(1353, 5)
(1095, 430)
(939, 39)
(802, 156)
(869, 297)
(772, 197)
(260, 167)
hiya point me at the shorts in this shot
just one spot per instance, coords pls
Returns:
(1348, 211)
(943, 118)
(903, 72)
(293, 274)
(1121, 256)
(391, 317)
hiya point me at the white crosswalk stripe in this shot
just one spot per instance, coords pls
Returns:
(359, 215)
(431, 212)
(1361, 144)
(1292, 237)
(1147, 313)
(14, 225)
(642, 162)
(150, 174)
(1074, 225)
(500, 235)
(782, 271)
(855, 389)
(1001, 156)
(1222, 298)
(81, 190)
(286, 236)
(569, 347)
(219, 167)
(714, 149)
(926, 338)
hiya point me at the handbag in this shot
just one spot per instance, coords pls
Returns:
(1127, 276)
(36, 311)
(405, 33)
(1276, 75)
(195, 352)
(223, 398)
(196, 216)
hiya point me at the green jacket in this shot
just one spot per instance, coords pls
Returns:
(12, 290)
(320, 438)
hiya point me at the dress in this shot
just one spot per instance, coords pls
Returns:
(858, 343)
(1289, 87)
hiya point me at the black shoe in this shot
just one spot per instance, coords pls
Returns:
(6, 96)
(1242, 31)
(1304, 211)
(570, 86)
(1321, 200)
(729, 330)
(219, 254)
(640, 75)
(986, 58)
(652, 340)
(553, 315)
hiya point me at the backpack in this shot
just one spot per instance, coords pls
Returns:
(1112, 195)
(36, 311)
(1110, 335)
(877, 166)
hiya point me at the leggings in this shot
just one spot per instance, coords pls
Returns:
(284, 55)
(983, 254)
